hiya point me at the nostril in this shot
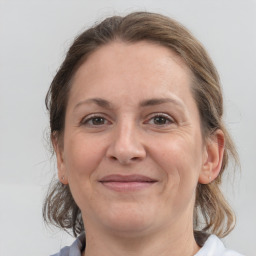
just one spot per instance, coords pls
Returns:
(113, 158)
(124, 160)
(124, 152)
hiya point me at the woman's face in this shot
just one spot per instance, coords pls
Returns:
(132, 150)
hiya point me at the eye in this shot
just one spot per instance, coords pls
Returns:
(160, 120)
(94, 120)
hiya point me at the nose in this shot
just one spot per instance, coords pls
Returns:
(126, 145)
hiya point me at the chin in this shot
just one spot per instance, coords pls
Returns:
(129, 221)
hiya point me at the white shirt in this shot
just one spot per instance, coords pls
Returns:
(212, 247)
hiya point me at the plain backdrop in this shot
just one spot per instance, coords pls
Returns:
(34, 36)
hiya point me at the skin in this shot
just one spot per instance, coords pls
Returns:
(112, 126)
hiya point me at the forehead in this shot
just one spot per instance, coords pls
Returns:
(132, 53)
(132, 72)
(141, 57)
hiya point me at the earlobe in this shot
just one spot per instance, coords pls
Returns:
(60, 161)
(214, 150)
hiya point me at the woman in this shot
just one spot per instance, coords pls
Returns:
(136, 125)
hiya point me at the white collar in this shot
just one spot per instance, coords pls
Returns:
(214, 247)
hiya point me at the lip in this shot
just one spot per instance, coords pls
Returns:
(127, 183)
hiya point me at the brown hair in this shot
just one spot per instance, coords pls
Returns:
(210, 206)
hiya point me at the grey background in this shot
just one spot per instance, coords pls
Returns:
(34, 36)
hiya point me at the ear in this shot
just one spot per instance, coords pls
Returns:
(58, 148)
(214, 150)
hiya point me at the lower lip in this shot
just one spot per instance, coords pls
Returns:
(127, 186)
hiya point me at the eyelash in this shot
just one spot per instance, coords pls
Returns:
(86, 120)
(91, 118)
(161, 115)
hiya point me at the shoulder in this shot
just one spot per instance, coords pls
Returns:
(63, 252)
(214, 246)
(73, 250)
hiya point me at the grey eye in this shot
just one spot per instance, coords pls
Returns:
(97, 121)
(94, 121)
(160, 120)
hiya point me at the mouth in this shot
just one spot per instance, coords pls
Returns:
(127, 183)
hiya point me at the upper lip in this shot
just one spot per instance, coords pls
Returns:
(127, 178)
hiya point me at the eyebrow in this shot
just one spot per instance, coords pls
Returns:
(98, 101)
(158, 101)
(145, 103)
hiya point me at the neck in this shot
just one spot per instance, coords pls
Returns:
(167, 241)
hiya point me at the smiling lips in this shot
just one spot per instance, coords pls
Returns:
(127, 183)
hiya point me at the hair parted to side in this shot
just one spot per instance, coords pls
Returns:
(211, 208)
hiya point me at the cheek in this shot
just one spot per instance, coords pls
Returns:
(82, 156)
(180, 158)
